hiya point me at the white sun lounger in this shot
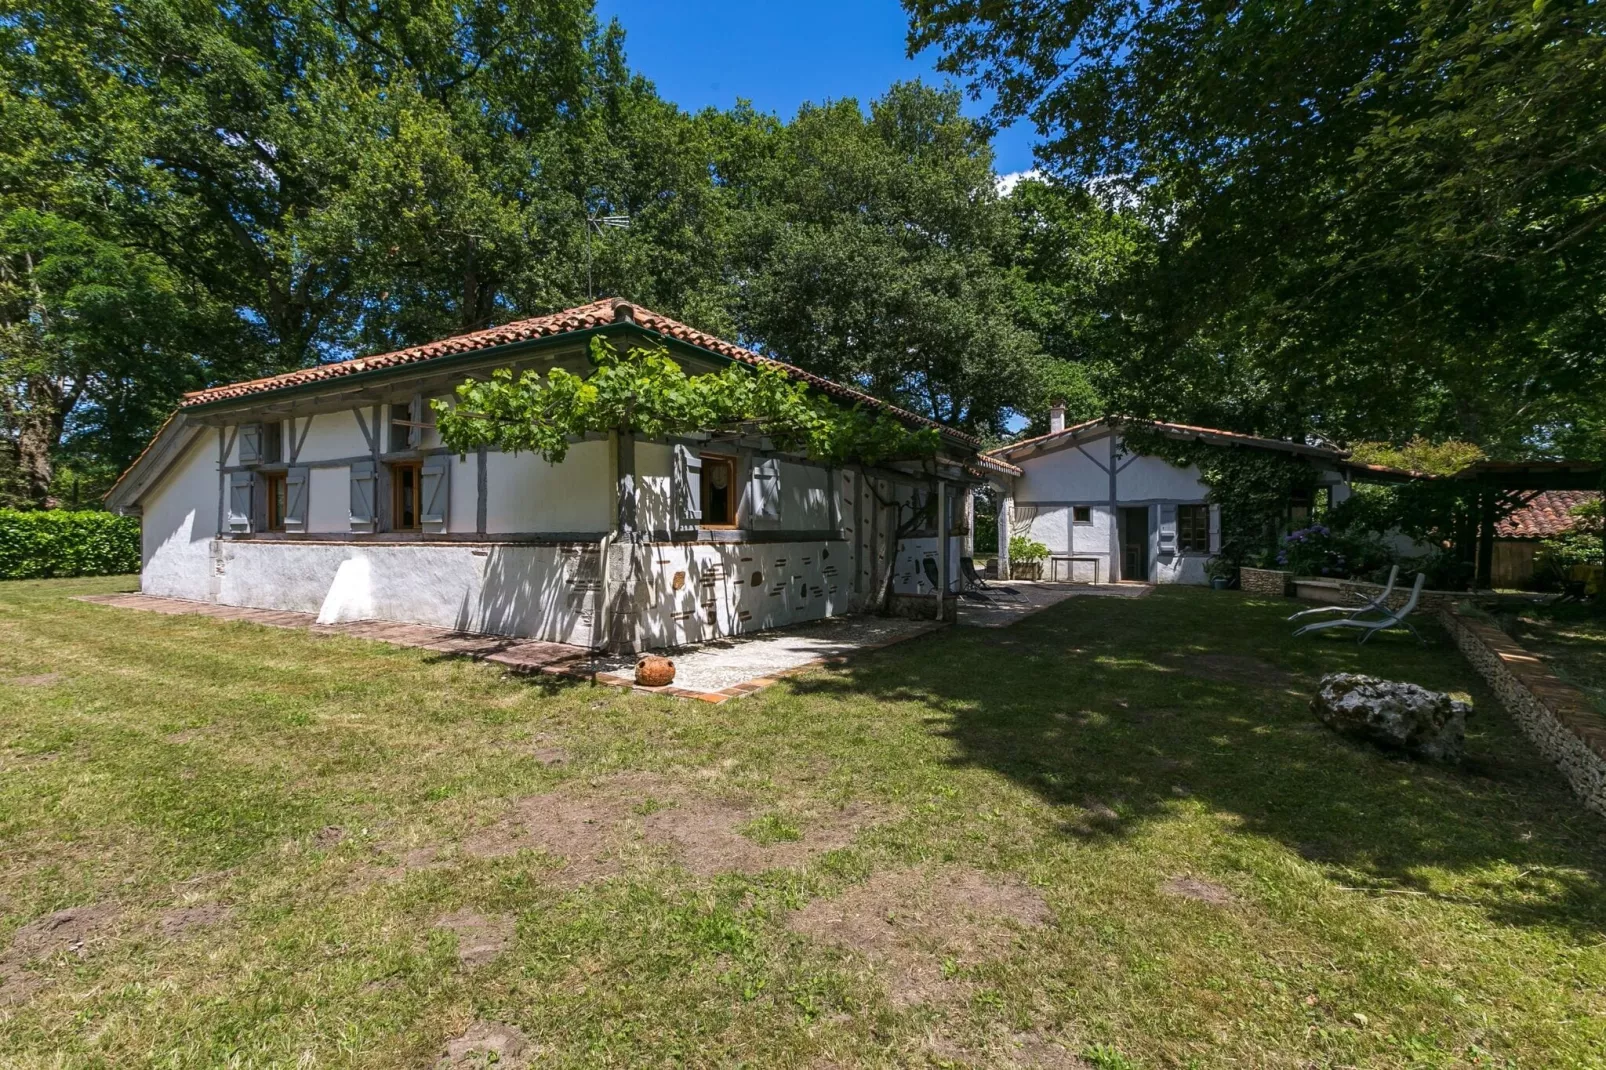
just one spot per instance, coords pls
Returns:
(1392, 618)
(1378, 604)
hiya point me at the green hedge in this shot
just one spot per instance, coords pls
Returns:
(59, 542)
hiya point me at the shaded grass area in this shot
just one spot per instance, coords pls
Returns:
(1572, 637)
(1106, 752)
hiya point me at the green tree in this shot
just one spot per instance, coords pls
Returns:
(321, 178)
(1074, 254)
(1377, 219)
(82, 319)
(874, 249)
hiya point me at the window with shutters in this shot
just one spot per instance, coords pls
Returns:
(404, 497)
(277, 493)
(1193, 529)
(718, 491)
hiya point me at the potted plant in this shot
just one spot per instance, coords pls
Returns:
(1026, 557)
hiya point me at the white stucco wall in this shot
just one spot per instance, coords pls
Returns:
(523, 493)
(463, 495)
(332, 436)
(329, 500)
(655, 507)
(798, 581)
(1066, 475)
(536, 591)
(805, 502)
(1148, 479)
(1047, 524)
(178, 524)
(909, 576)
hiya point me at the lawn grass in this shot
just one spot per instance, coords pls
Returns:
(325, 795)
(1572, 638)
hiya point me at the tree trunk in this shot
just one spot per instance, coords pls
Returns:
(39, 427)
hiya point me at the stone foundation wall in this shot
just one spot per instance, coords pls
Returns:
(1559, 718)
(922, 607)
(1430, 602)
(1264, 581)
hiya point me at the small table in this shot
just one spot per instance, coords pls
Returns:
(1070, 561)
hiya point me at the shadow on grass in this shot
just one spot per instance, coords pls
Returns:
(1112, 710)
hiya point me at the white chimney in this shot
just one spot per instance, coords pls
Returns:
(1056, 417)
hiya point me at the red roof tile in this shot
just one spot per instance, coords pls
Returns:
(1548, 515)
(596, 314)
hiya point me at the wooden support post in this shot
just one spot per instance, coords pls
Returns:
(942, 545)
(1486, 515)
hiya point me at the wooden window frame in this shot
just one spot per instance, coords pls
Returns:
(1197, 527)
(273, 512)
(273, 445)
(396, 468)
(1087, 509)
(711, 461)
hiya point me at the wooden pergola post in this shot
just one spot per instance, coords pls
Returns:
(1484, 578)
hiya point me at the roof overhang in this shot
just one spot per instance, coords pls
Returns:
(1535, 475)
(1090, 429)
(166, 446)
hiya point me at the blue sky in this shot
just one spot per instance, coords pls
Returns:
(779, 54)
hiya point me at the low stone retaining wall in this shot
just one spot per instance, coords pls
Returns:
(1354, 592)
(922, 607)
(1558, 717)
(1431, 600)
(1265, 581)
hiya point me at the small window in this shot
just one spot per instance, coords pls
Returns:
(405, 428)
(404, 497)
(719, 492)
(1193, 529)
(274, 484)
(1081, 514)
(273, 442)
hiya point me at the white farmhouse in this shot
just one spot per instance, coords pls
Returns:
(327, 491)
(1107, 513)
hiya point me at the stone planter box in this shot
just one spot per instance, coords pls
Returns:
(1025, 570)
(1266, 581)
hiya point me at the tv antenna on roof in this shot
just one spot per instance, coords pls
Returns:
(596, 223)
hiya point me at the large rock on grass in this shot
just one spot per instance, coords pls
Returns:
(1403, 717)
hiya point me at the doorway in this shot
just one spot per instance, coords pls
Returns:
(1134, 531)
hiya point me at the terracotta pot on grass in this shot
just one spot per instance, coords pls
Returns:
(654, 671)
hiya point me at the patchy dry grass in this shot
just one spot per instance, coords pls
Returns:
(1110, 836)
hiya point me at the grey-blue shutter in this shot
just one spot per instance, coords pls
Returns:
(241, 488)
(434, 492)
(764, 493)
(1215, 529)
(295, 499)
(1168, 530)
(250, 444)
(686, 487)
(364, 496)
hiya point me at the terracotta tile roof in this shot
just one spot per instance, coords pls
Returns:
(1178, 431)
(986, 462)
(1548, 515)
(596, 314)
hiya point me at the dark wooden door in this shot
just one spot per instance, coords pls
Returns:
(1135, 543)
